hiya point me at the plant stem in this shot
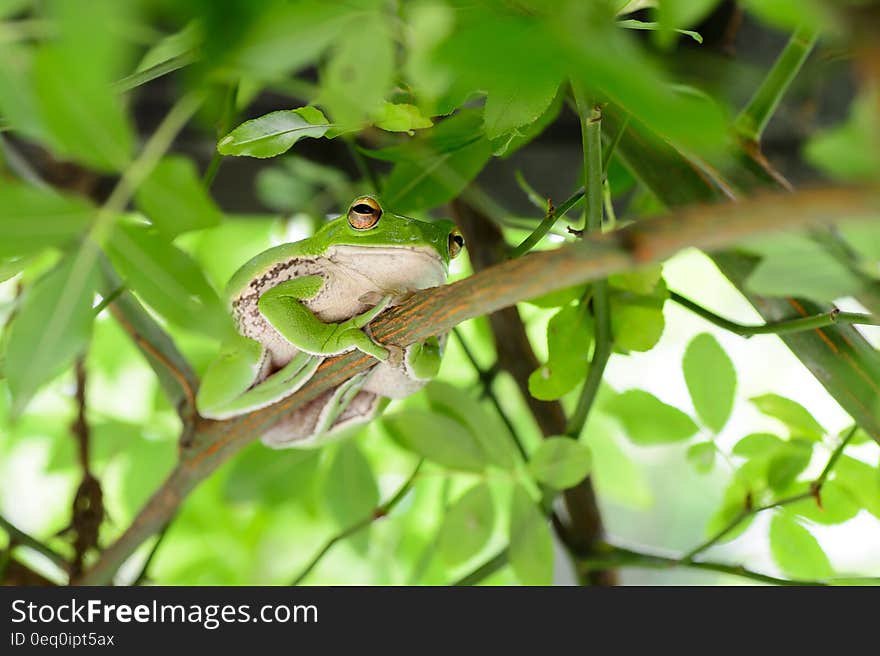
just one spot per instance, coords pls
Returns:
(620, 557)
(134, 80)
(547, 224)
(757, 113)
(226, 120)
(148, 561)
(380, 512)
(19, 537)
(799, 324)
(494, 564)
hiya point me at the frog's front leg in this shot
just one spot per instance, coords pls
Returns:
(228, 387)
(282, 306)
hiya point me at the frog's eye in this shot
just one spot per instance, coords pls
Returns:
(364, 213)
(456, 243)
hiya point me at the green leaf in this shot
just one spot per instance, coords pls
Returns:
(850, 151)
(437, 165)
(789, 14)
(174, 198)
(757, 445)
(632, 24)
(560, 462)
(355, 80)
(784, 467)
(796, 551)
(711, 380)
(172, 46)
(401, 117)
(350, 487)
(266, 476)
(531, 545)
(732, 507)
(837, 505)
(643, 280)
(781, 272)
(73, 78)
(438, 438)
(702, 456)
(32, 219)
(559, 297)
(168, 280)
(511, 106)
(467, 526)
(637, 321)
(648, 421)
(51, 328)
(569, 338)
(18, 98)
(274, 133)
(861, 481)
(795, 416)
(484, 425)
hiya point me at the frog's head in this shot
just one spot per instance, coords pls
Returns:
(368, 224)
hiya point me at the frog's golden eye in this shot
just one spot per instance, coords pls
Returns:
(364, 213)
(456, 243)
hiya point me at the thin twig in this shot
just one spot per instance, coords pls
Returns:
(380, 512)
(800, 324)
(226, 119)
(20, 538)
(145, 568)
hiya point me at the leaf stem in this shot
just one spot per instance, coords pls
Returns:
(757, 113)
(494, 564)
(547, 224)
(134, 80)
(380, 512)
(800, 324)
(226, 120)
(19, 537)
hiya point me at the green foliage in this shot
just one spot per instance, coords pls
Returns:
(711, 380)
(467, 526)
(175, 200)
(796, 551)
(32, 219)
(274, 133)
(569, 338)
(648, 421)
(560, 462)
(531, 545)
(796, 417)
(438, 438)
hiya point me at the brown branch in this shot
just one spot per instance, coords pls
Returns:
(433, 311)
(486, 246)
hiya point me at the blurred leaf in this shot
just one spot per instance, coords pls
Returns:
(168, 280)
(796, 551)
(837, 506)
(484, 425)
(174, 198)
(560, 462)
(355, 80)
(509, 107)
(439, 164)
(637, 320)
(146, 465)
(559, 297)
(711, 380)
(73, 78)
(32, 219)
(400, 117)
(647, 420)
(860, 481)
(18, 101)
(615, 473)
(757, 445)
(788, 13)
(632, 24)
(267, 476)
(274, 133)
(51, 328)
(732, 507)
(11, 268)
(702, 456)
(287, 36)
(467, 525)
(795, 416)
(850, 151)
(13, 7)
(438, 438)
(350, 489)
(781, 272)
(569, 339)
(531, 545)
(509, 142)
(785, 465)
(643, 280)
(172, 46)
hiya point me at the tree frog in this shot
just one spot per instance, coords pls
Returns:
(297, 303)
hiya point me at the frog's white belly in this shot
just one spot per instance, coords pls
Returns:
(351, 275)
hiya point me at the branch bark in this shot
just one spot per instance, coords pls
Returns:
(433, 311)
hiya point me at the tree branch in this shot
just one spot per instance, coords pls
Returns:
(19, 537)
(434, 311)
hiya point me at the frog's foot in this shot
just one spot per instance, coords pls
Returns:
(396, 355)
